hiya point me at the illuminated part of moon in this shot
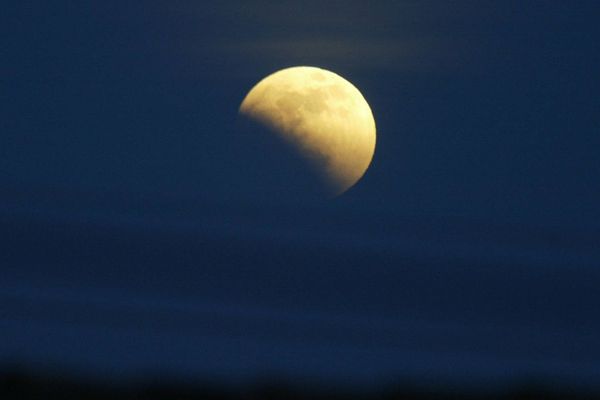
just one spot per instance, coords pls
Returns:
(322, 116)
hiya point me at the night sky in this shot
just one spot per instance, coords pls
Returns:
(132, 241)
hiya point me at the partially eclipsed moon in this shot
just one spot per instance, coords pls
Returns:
(324, 118)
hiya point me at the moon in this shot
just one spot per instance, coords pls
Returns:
(321, 117)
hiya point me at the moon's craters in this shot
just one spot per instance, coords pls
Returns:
(322, 115)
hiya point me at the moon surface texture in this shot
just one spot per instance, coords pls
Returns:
(322, 118)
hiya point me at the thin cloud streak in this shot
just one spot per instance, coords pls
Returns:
(354, 37)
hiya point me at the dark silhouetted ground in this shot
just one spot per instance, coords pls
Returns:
(18, 385)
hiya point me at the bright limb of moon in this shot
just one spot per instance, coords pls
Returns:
(323, 116)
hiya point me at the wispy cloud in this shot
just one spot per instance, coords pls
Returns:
(363, 54)
(243, 36)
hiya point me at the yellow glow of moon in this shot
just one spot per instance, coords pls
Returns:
(323, 116)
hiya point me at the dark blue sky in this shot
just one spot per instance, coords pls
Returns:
(483, 109)
(118, 172)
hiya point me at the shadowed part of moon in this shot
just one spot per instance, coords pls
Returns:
(273, 165)
(320, 118)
